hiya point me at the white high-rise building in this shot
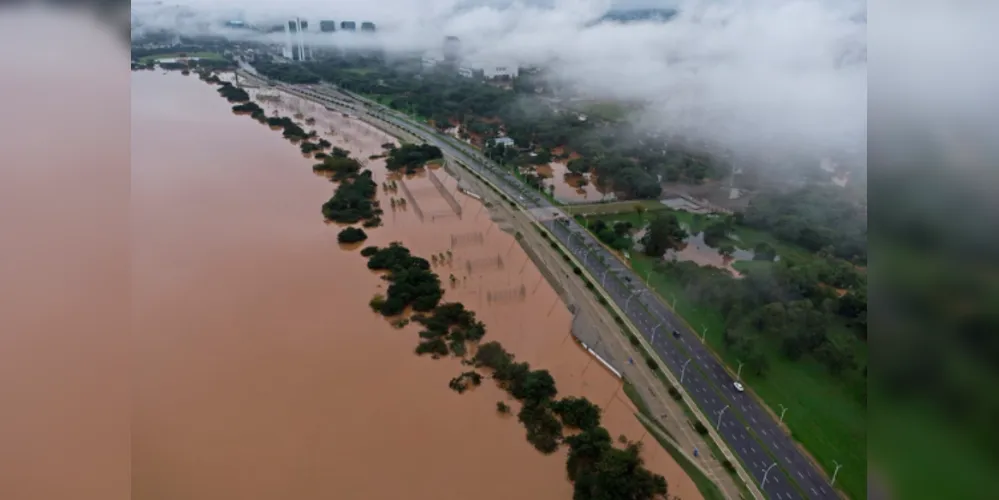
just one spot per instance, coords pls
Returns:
(294, 40)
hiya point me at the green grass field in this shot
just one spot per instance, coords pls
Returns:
(823, 412)
(200, 55)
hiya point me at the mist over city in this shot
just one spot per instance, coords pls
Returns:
(783, 81)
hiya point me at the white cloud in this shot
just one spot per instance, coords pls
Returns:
(763, 75)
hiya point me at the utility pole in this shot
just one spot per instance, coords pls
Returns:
(683, 369)
(738, 374)
(603, 280)
(720, 413)
(704, 333)
(838, 465)
(783, 410)
(765, 473)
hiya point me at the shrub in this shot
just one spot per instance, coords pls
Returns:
(502, 407)
(700, 428)
(565, 257)
(589, 284)
(602, 300)
(618, 320)
(728, 466)
(369, 251)
(377, 302)
(652, 363)
(674, 393)
(577, 270)
(554, 245)
(351, 235)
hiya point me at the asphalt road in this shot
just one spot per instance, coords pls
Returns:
(748, 429)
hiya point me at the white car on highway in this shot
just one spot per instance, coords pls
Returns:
(738, 386)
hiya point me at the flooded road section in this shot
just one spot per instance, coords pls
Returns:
(573, 188)
(262, 373)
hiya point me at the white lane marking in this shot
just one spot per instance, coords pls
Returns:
(814, 492)
(764, 431)
(801, 475)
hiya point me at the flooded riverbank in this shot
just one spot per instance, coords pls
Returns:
(261, 372)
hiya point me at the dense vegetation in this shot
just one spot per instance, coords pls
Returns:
(816, 218)
(411, 282)
(251, 108)
(664, 233)
(628, 158)
(411, 157)
(616, 236)
(233, 93)
(339, 167)
(353, 200)
(351, 235)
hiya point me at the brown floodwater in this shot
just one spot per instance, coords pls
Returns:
(261, 372)
(569, 187)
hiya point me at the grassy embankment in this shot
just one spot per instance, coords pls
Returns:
(709, 490)
(822, 411)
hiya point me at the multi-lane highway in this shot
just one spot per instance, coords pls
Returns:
(768, 454)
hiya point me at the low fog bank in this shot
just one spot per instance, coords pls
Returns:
(774, 80)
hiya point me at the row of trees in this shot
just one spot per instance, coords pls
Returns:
(599, 471)
(629, 159)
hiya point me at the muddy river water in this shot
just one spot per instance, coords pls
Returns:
(260, 371)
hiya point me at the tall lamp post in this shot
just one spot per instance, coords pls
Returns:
(720, 413)
(838, 465)
(767, 472)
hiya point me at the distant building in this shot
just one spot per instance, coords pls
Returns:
(505, 141)
(452, 49)
(295, 48)
(368, 27)
(235, 24)
(466, 72)
(502, 72)
(431, 60)
(327, 26)
(348, 26)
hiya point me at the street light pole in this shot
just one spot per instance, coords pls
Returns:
(783, 410)
(603, 279)
(838, 465)
(683, 369)
(738, 374)
(704, 333)
(720, 413)
(766, 472)
(654, 332)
